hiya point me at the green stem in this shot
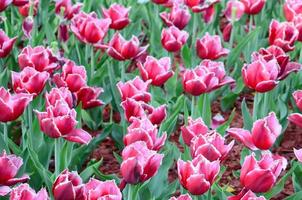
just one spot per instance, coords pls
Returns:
(5, 137)
(92, 63)
(57, 156)
(123, 73)
(30, 129)
(193, 107)
(132, 192)
(255, 106)
(210, 194)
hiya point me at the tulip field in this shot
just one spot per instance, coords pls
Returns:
(150, 99)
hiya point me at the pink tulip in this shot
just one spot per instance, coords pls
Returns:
(246, 195)
(12, 106)
(66, 8)
(60, 121)
(234, 9)
(253, 7)
(208, 14)
(226, 32)
(136, 89)
(159, 71)
(27, 26)
(194, 128)
(88, 96)
(29, 81)
(283, 35)
(206, 77)
(298, 154)
(9, 166)
(173, 39)
(179, 16)
(88, 28)
(107, 190)
(139, 163)
(6, 44)
(261, 176)
(144, 130)
(182, 197)
(298, 98)
(119, 16)
(25, 192)
(20, 2)
(121, 49)
(4, 4)
(200, 5)
(263, 135)
(296, 118)
(24, 10)
(40, 58)
(57, 94)
(63, 33)
(209, 47)
(160, 1)
(73, 76)
(197, 175)
(298, 24)
(212, 146)
(68, 185)
(292, 8)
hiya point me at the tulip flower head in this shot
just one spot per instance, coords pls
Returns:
(96, 189)
(296, 118)
(25, 192)
(292, 8)
(194, 128)
(298, 154)
(57, 94)
(172, 39)
(200, 5)
(88, 96)
(66, 8)
(253, 7)
(6, 44)
(25, 8)
(234, 10)
(119, 16)
(20, 2)
(179, 16)
(182, 197)
(4, 4)
(246, 195)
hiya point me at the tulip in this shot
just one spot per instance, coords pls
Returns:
(88, 96)
(27, 26)
(144, 130)
(20, 2)
(25, 192)
(200, 5)
(160, 1)
(212, 146)
(88, 28)
(120, 49)
(226, 32)
(173, 39)
(217, 120)
(208, 14)
(253, 7)
(263, 135)
(159, 71)
(40, 58)
(298, 154)
(29, 81)
(73, 76)
(66, 8)
(298, 98)
(12, 106)
(6, 44)
(57, 94)
(60, 121)
(296, 118)
(119, 16)
(298, 24)
(197, 175)
(292, 8)
(182, 197)
(68, 185)
(194, 128)
(96, 190)
(246, 195)
(24, 10)
(135, 89)
(179, 16)
(209, 47)
(283, 35)
(63, 32)
(206, 77)
(9, 166)
(234, 10)
(261, 176)
(4, 4)
(139, 163)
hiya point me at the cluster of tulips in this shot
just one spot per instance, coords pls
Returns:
(55, 85)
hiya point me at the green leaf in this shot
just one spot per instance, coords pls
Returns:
(186, 55)
(89, 170)
(247, 118)
(223, 127)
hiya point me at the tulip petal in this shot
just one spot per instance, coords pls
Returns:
(78, 136)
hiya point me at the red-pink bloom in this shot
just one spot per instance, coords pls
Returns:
(296, 118)
(208, 14)
(179, 16)
(25, 192)
(144, 130)
(29, 80)
(88, 28)
(73, 76)
(210, 47)
(212, 146)
(119, 16)
(160, 1)
(253, 7)
(107, 190)
(88, 96)
(298, 98)
(4, 4)
(27, 26)
(194, 128)
(40, 58)
(67, 8)
(24, 10)
(283, 35)
(12, 106)
(20, 2)
(217, 120)
(57, 94)
(159, 71)
(226, 32)
(263, 134)
(200, 5)
(197, 175)
(139, 163)
(63, 33)
(60, 121)
(6, 44)
(173, 39)
(246, 195)
(68, 184)
(136, 89)
(298, 154)
(121, 49)
(234, 9)
(261, 176)
(298, 24)
(9, 166)
(182, 197)
(292, 8)
(206, 77)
